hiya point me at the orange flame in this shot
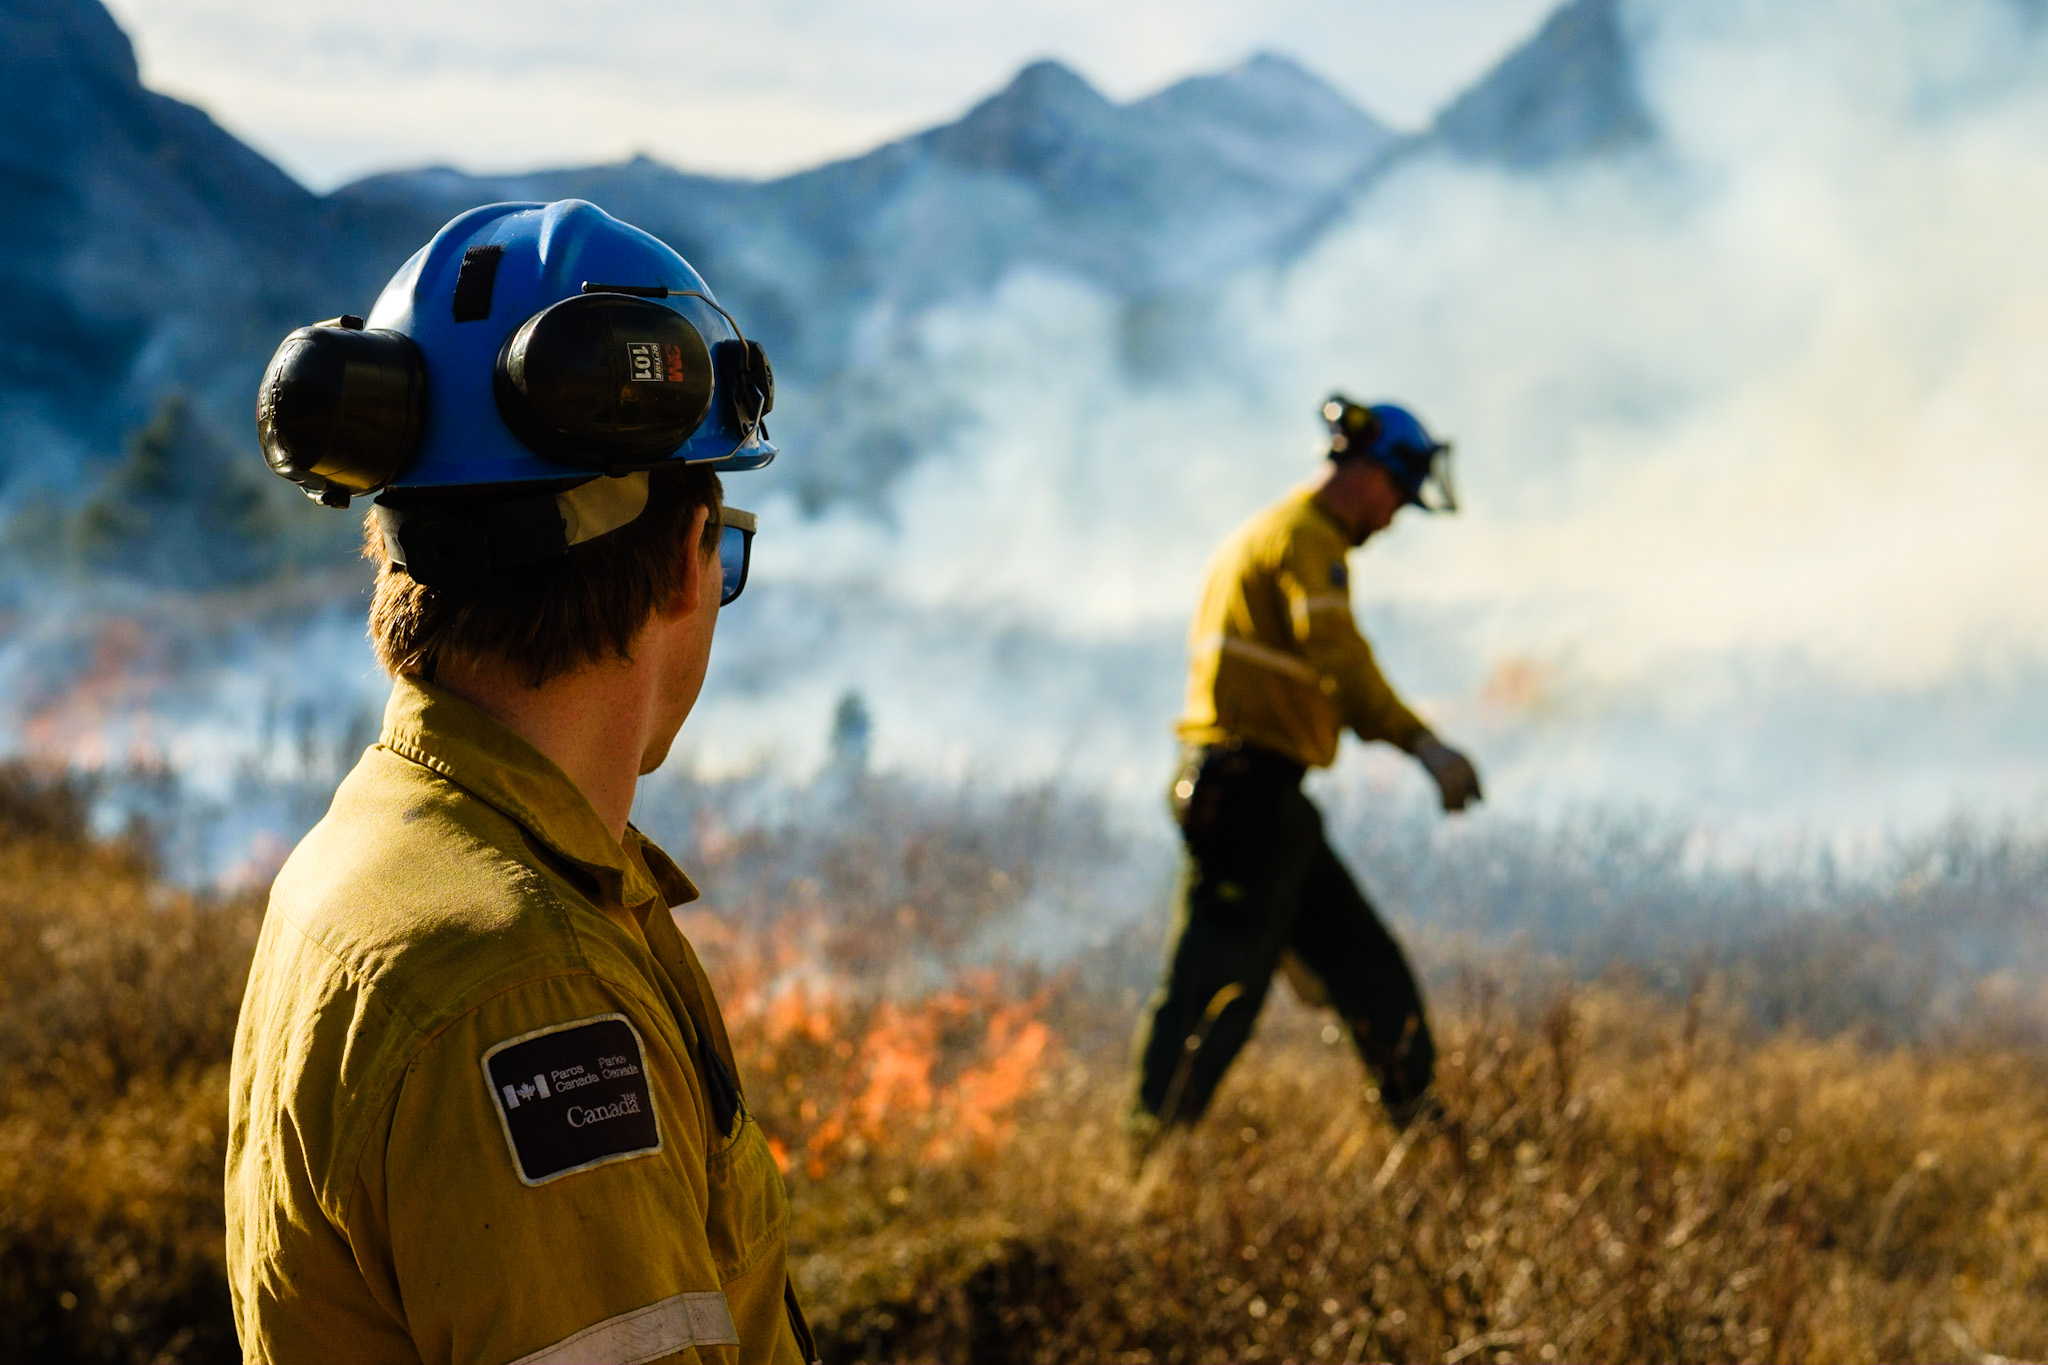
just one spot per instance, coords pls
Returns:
(77, 724)
(838, 1074)
(898, 1056)
(984, 1095)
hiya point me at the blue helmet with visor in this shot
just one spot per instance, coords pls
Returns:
(1395, 439)
(511, 388)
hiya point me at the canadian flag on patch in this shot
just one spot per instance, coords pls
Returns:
(523, 1091)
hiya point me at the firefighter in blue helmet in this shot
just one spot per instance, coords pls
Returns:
(483, 1107)
(1277, 670)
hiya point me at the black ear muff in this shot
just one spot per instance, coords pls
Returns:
(604, 381)
(340, 409)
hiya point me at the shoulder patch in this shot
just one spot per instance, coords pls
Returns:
(1339, 576)
(572, 1096)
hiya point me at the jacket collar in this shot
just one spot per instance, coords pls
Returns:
(1313, 497)
(479, 753)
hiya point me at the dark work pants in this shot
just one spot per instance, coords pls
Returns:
(1258, 880)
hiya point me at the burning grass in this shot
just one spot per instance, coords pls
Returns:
(1619, 1174)
(836, 1073)
(1613, 1180)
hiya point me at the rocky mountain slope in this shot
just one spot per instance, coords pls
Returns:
(141, 246)
(148, 252)
(1197, 180)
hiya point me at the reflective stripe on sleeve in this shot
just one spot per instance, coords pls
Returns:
(1288, 665)
(1327, 601)
(659, 1329)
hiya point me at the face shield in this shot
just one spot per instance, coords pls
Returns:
(1436, 491)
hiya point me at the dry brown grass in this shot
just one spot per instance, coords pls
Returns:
(1617, 1176)
(117, 1009)
(1613, 1180)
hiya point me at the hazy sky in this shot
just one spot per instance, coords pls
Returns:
(333, 91)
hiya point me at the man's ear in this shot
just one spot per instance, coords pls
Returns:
(697, 563)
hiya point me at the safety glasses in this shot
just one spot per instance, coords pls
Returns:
(735, 552)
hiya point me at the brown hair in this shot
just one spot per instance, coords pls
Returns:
(554, 616)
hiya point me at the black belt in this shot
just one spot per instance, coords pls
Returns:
(1239, 760)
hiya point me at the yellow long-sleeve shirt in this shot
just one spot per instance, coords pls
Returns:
(1274, 656)
(482, 1103)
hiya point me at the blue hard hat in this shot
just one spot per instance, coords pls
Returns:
(465, 294)
(1394, 438)
(534, 344)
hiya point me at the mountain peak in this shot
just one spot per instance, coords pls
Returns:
(1045, 110)
(1276, 76)
(1569, 91)
(1047, 81)
(139, 231)
(1268, 86)
(1272, 117)
(1044, 92)
(72, 37)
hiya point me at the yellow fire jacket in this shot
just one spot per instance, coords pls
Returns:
(1274, 657)
(483, 1105)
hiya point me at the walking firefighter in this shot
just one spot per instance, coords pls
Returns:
(1277, 670)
